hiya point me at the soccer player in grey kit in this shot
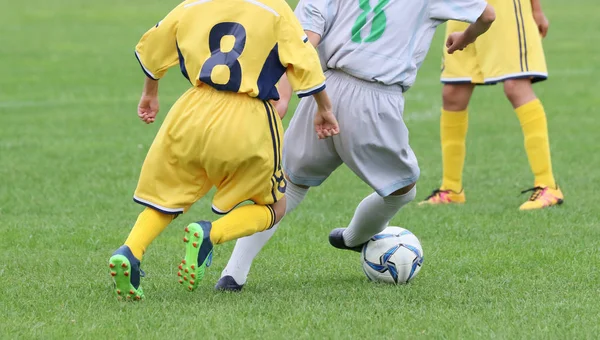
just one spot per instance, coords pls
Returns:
(370, 54)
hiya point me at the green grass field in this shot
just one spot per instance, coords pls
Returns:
(71, 147)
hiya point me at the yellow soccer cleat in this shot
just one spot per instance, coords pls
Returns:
(439, 196)
(542, 197)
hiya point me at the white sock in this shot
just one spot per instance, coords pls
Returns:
(246, 248)
(373, 215)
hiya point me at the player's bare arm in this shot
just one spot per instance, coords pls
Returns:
(148, 106)
(459, 40)
(285, 88)
(540, 18)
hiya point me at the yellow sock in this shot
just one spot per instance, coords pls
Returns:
(537, 145)
(242, 221)
(453, 133)
(149, 225)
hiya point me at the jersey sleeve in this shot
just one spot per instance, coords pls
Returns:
(311, 15)
(157, 50)
(460, 10)
(299, 57)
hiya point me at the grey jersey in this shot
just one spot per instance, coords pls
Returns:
(381, 41)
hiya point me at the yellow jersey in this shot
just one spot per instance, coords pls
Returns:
(242, 46)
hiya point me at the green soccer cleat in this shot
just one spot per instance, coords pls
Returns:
(198, 254)
(125, 271)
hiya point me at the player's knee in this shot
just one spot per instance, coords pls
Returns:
(519, 91)
(298, 185)
(279, 209)
(409, 189)
(456, 96)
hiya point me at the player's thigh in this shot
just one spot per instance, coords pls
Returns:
(172, 178)
(242, 153)
(375, 142)
(308, 160)
(461, 66)
(512, 47)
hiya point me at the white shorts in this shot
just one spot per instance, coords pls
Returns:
(373, 139)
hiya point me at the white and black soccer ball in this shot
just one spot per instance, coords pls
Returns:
(393, 256)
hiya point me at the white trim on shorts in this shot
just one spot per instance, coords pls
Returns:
(157, 207)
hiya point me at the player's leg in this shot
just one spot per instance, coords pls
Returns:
(460, 73)
(377, 151)
(307, 162)
(246, 249)
(371, 216)
(513, 53)
(166, 191)
(532, 118)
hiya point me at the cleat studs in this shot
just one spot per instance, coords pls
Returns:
(191, 281)
(196, 234)
(185, 278)
(128, 297)
(113, 273)
(181, 281)
(138, 298)
(180, 267)
(118, 292)
(185, 239)
(112, 265)
(131, 292)
(187, 230)
(178, 273)
(126, 273)
(191, 288)
(183, 261)
(195, 244)
(186, 270)
(193, 276)
(124, 265)
(193, 267)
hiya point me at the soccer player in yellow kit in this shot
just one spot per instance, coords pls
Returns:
(510, 52)
(223, 131)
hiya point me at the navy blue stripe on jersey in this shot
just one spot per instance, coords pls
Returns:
(524, 37)
(146, 71)
(270, 74)
(311, 91)
(519, 35)
(182, 63)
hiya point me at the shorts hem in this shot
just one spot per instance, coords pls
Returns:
(386, 191)
(168, 211)
(534, 76)
(309, 182)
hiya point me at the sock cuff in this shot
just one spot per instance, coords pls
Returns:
(528, 107)
(401, 199)
(295, 191)
(454, 117)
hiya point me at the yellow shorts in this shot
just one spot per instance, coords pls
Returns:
(214, 138)
(512, 48)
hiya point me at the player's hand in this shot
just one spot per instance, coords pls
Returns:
(542, 22)
(148, 108)
(326, 125)
(457, 41)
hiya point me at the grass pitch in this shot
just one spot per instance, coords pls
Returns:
(70, 151)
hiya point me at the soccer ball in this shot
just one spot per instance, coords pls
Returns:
(393, 256)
